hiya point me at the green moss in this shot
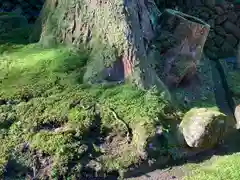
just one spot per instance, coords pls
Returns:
(50, 109)
(220, 167)
(233, 79)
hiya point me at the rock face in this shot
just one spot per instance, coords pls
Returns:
(224, 19)
(203, 128)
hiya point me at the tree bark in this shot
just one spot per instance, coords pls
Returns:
(119, 34)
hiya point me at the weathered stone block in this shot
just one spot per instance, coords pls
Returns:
(219, 30)
(232, 16)
(232, 29)
(219, 41)
(232, 40)
(221, 19)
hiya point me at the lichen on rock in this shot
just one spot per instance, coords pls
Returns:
(203, 127)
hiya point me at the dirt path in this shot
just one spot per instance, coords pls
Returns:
(175, 173)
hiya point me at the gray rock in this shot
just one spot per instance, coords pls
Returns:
(203, 128)
(219, 10)
(237, 116)
(232, 40)
(219, 41)
(232, 29)
(227, 49)
(211, 22)
(221, 19)
(232, 16)
(219, 30)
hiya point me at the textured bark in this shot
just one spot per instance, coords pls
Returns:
(119, 34)
(186, 36)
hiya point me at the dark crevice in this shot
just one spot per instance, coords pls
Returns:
(225, 85)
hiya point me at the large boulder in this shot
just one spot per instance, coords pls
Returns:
(203, 127)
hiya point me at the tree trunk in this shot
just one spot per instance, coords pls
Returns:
(119, 34)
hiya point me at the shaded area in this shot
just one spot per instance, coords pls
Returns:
(172, 169)
(222, 92)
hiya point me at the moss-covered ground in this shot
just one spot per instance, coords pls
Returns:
(53, 125)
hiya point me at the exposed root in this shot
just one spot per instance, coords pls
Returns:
(88, 107)
(129, 130)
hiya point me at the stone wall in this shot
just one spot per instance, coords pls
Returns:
(222, 16)
(224, 20)
(224, 36)
(29, 8)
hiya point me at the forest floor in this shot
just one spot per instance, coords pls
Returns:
(51, 124)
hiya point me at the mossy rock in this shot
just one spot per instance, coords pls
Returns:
(203, 127)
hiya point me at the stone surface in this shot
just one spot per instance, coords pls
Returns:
(211, 22)
(227, 50)
(202, 127)
(231, 28)
(219, 41)
(232, 40)
(237, 116)
(219, 10)
(221, 19)
(232, 16)
(220, 30)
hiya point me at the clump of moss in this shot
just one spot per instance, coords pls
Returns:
(219, 167)
(49, 108)
(233, 81)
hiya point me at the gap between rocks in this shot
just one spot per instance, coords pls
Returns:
(223, 96)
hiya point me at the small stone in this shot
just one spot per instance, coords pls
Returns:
(210, 43)
(227, 5)
(232, 29)
(232, 40)
(219, 41)
(232, 16)
(237, 116)
(219, 30)
(214, 49)
(221, 19)
(204, 15)
(211, 22)
(219, 10)
(159, 130)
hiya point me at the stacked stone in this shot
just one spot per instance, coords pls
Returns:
(224, 36)
(29, 8)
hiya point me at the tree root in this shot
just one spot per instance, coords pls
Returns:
(129, 130)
